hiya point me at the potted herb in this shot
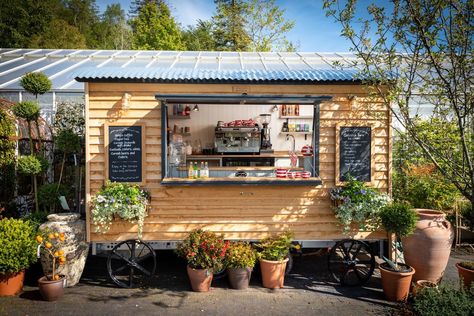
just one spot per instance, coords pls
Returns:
(273, 255)
(17, 252)
(205, 253)
(240, 259)
(52, 286)
(122, 200)
(357, 206)
(400, 220)
(466, 273)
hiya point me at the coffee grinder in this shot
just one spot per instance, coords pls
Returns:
(266, 146)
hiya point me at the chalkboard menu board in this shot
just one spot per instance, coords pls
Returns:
(355, 153)
(125, 153)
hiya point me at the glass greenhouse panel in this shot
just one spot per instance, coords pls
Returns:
(208, 64)
(9, 65)
(13, 96)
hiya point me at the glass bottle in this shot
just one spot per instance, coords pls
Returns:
(190, 171)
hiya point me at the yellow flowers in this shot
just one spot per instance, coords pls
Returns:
(39, 239)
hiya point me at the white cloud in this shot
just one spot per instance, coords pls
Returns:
(187, 12)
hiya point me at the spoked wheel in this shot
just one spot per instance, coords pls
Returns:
(131, 263)
(351, 262)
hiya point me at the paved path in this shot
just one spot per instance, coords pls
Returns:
(308, 291)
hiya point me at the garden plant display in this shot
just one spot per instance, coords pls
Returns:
(126, 201)
(355, 203)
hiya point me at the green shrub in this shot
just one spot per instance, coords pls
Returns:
(18, 245)
(240, 255)
(467, 265)
(27, 110)
(447, 300)
(67, 141)
(36, 83)
(7, 145)
(422, 186)
(29, 165)
(48, 196)
(44, 163)
(275, 248)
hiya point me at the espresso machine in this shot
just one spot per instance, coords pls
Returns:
(266, 145)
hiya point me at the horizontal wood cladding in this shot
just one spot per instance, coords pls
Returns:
(239, 212)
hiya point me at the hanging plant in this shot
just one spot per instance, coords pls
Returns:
(358, 205)
(123, 200)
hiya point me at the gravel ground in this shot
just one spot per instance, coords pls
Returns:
(308, 291)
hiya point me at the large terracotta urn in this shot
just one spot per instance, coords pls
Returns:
(75, 246)
(273, 273)
(428, 248)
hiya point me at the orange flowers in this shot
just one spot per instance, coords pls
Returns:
(39, 239)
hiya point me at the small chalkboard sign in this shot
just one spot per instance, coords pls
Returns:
(124, 153)
(354, 153)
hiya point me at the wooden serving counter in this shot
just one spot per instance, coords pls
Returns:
(256, 168)
(242, 181)
(276, 154)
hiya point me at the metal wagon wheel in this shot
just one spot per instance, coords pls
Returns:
(131, 263)
(351, 262)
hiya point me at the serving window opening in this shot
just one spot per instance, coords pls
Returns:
(240, 140)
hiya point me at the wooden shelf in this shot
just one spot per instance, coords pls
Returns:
(296, 117)
(179, 117)
(182, 134)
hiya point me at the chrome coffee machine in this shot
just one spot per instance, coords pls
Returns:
(266, 144)
(237, 139)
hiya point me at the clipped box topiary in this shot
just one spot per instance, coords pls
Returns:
(18, 252)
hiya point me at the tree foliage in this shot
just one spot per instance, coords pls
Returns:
(267, 27)
(27, 110)
(421, 51)
(59, 34)
(199, 37)
(229, 29)
(113, 29)
(155, 28)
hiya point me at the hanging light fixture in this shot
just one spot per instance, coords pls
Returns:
(275, 108)
(196, 108)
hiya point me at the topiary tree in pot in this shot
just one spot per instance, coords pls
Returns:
(398, 219)
(17, 252)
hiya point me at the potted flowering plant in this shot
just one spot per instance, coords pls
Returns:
(273, 255)
(205, 253)
(357, 204)
(52, 285)
(122, 200)
(240, 259)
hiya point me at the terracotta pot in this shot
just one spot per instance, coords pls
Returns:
(11, 283)
(51, 290)
(200, 279)
(420, 284)
(273, 273)
(75, 248)
(466, 275)
(239, 278)
(427, 249)
(396, 285)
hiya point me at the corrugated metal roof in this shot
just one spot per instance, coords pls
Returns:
(202, 75)
(63, 65)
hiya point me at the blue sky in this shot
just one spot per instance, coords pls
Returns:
(313, 30)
